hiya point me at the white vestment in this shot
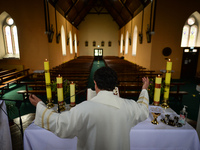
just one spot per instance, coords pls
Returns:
(102, 123)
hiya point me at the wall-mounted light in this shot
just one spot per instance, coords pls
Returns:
(58, 38)
(140, 38)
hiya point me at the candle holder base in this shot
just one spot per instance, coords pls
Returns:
(50, 105)
(61, 106)
(164, 104)
(72, 105)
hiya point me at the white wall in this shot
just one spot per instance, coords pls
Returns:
(98, 28)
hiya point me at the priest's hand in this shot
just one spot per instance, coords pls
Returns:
(145, 82)
(34, 99)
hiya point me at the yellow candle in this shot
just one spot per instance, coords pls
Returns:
(167, 79)
(157, 90)
(47, 79)
(169, 65)
(72, 93)
(166, 93)
(59, 88)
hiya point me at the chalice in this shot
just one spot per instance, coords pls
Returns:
(156, 112)
(155, 116)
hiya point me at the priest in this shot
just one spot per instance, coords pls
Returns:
(102, 123)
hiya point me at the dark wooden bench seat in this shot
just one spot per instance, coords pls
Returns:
(6, 71)
(177, 95)
(12, 77)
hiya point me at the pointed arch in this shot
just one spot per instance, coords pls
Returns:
(191, 33)
(126, 44)
(134, 45)
(121, 43)
(63, 40)
(9, 44)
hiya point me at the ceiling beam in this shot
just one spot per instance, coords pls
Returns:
(111, 5)
(70, 8)
(85, 5)
(126, 8)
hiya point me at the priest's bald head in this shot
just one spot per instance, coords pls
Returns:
(105, 79)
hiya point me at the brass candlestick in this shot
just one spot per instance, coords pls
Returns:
(50, 103)
(165, 104)
(61, 106)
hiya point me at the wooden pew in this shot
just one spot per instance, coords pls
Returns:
(12, 77)
(6, 71)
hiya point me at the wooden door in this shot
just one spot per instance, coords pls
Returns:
(189, 63)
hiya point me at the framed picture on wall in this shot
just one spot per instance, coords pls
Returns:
(86, 43)
(109, 44)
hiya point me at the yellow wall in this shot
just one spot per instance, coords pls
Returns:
(170, 19)
(143, 53)
(33, 42)
(98, 28)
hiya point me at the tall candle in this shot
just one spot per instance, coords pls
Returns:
(59, 81)
(157, 90)
(169, 65)
(47, 79)
(167, 79)
(72, 93)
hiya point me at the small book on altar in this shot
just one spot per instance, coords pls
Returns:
(91, 93)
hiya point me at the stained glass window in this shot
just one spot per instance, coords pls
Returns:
(189, 33)
(63, 40)
(126, 44)
(11, 38)
(70, 42)
(185, 33)
(75, 43)
(121, 44)
(193, 35)
(134, 48)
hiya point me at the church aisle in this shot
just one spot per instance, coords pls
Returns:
(96, 65)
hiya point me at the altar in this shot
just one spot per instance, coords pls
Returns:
(144, 136)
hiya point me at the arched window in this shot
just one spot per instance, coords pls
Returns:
(185, 33)
(126, 44)
(63, 40)
(121, 44)
(75, 43)
(193, 36)
(10, 38)
(189, 33)
(70, 42)
(134, 47)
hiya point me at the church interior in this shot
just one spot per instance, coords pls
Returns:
(135, 38)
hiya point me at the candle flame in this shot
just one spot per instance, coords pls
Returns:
(169, 59)
(45, 59)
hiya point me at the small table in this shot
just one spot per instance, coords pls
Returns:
(144, 136)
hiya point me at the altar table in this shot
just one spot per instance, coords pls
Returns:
(144, 136)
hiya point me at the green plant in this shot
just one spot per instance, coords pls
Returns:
(66, 88)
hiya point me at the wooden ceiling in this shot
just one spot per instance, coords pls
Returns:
(122, 11)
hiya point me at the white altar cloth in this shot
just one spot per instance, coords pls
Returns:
(5, 137)
(144, 136)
